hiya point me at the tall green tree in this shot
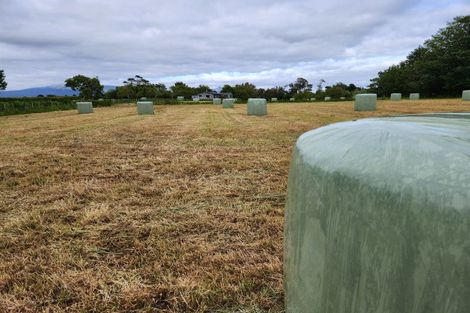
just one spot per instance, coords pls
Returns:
(245, 91)
(3, 83)
(88, 88)
(300, 85)
(440, 67)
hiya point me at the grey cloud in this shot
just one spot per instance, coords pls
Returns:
(45, 41)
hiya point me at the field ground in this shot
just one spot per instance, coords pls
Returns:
(177, 212)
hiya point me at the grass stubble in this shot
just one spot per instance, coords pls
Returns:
(177, 212)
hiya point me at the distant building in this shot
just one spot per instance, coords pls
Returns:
(210, 95)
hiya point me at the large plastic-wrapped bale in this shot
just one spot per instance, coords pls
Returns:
(327, 98)
(414, 96)
(228, 103)
(145, 107)
(216, 101)
(466, 95)
(180, 98)
(292, 99)
(313, 99)
(395, 96)
(365, 102)
(257, 106)
(378, 217)
(84, 107)
(273, 99)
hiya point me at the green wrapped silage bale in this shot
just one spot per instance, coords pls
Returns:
(84, 107)
(313, 99)
(228, 103)
(273, 99)
(292, 99)
(365, 102)
(327, 98)
(342, 98)
(378, 217)
(414, 96)
(466, 95)
(196, 99)
(395, 96)
(257, 106)
(145, 107)
(216, 101)
(180, 98)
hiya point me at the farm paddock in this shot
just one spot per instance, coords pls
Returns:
(177, 212)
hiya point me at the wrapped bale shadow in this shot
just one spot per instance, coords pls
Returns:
(378, 216)
(257, 107)
(84, 107)
(145, 108)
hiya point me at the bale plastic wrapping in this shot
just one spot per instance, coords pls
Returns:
(216, 101)
(365, 102)
(257, 106)
(145, 108)
(228, 103)
(273, 99)
(414, 96)
(84, 107)
(180, 98)
(327, 98)
(395, 96)
(466, 95)
(378, 217)
(292, 99)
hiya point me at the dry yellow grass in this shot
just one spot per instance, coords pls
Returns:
(177, 212)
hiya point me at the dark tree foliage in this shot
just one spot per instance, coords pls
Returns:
(88, 88)
(441, 67)
(300, 85)
(139, 87)
(3, 83)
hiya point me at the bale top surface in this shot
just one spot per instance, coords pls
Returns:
(443, 141)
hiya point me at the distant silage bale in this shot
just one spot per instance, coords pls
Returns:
(180, 98)
(145, 108)
(216, 101)
(228, 103)
(365, 102)
(292, 99)
(313, 99)
(84, 107)
(395, 96)
(466, 95)
(327, 98)
(414, 96)
(257, 106)
(273, 99)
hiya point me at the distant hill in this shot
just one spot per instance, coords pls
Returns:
(48, 90)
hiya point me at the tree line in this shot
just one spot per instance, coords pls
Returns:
(438, 68)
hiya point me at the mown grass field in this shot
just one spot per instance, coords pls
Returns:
(177, 212)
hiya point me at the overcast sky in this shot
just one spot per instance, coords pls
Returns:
(266, 42)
